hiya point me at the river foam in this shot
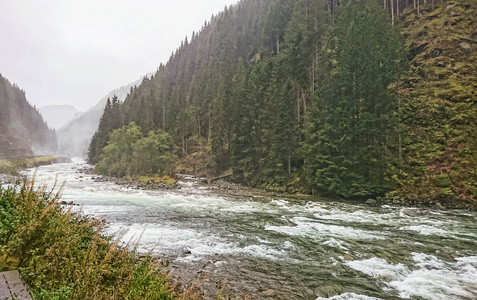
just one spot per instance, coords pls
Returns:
(287, 245)
(429, 277)
(315, 229)
(349, 296)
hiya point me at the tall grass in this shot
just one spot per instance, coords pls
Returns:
(12, 166)
(64, 255)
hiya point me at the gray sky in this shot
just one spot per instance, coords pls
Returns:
(76, 51)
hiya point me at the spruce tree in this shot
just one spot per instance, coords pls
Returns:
(352, 129)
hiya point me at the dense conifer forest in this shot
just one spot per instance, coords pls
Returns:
(353, 99)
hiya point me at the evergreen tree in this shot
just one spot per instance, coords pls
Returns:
(352, 131)
(220, 128)
(108, 122)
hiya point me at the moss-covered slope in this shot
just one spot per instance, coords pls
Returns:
(439, 105)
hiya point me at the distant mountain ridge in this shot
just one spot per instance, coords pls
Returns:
(74, 137)
(23, 132)
(57, 116)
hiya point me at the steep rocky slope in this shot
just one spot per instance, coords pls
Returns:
(439, 104)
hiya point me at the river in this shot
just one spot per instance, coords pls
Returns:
(279, 248)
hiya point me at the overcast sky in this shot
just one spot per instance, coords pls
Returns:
(76, 51)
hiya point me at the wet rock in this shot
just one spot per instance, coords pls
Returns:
(435, 53)
(68, 203)
(465, 47)
(269, 293)
(328, 291)
(371, 202)
(164, 262)
(413, 52)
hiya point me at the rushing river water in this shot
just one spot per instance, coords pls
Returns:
(274, 247)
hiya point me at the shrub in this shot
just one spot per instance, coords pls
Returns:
(64, 255)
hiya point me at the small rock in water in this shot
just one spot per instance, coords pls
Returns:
(371, 202)
(164, 262)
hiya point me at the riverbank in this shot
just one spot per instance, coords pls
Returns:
(224, 188)
(65, 255)
(13, 166)
(138, 183)
(394, 200)
(220, 187)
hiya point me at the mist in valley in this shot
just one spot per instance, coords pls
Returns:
(75, 136)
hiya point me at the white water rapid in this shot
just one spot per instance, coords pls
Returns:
(279, 248)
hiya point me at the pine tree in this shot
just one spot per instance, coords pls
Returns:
(351, 134)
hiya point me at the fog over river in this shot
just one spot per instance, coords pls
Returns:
(279, 248)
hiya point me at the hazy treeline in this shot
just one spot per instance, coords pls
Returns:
(23, 131)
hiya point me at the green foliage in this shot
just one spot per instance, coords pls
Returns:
(13, 166)
(287, 93)
(110, 120)
(439, 105)
(352, 130)
(63, 255)
(7, 215)
(129, 152)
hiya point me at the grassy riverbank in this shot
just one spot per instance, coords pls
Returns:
(12, 166)
(63, 255)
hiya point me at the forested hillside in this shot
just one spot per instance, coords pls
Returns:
(23, 131)
(349, 100)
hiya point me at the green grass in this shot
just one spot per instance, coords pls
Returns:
(64, 255)
(154, 178)
(12, 166)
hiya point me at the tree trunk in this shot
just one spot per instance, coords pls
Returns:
(392, 11)
(289, 162)
(183, 146)
(210, 126)
(163, 114)
(399, 125)
(298, 107)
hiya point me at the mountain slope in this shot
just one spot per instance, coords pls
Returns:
(440, 103)
(23, 131)
(74, 137)
(303, 95)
